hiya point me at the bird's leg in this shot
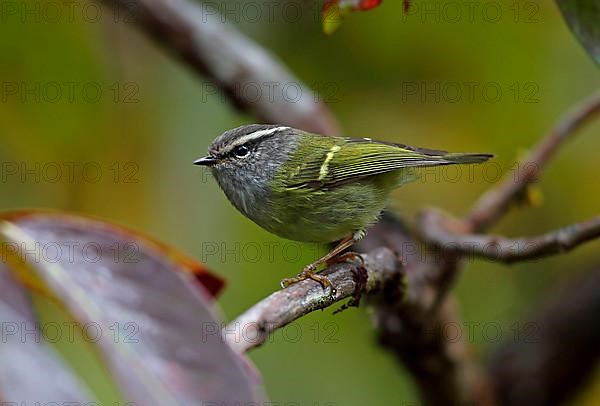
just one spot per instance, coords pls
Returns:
(309, 270)
(347, 256)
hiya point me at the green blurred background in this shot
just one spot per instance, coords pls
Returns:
(154, 116)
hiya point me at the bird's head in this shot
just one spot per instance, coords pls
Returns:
(245, 159)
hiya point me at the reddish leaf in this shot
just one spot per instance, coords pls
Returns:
(170, 349)
(211, 282)
(28, 363)
(333, 11)
(369, 4)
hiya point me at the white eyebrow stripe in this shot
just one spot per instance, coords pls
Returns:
(254, 136)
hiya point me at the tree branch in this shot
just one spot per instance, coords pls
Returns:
(452, 237)
(448, 234)
(496, 201)
(252, 328)
(411, 326)
(457, 236)
(252, 78)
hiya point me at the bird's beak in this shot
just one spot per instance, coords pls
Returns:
(205, 161)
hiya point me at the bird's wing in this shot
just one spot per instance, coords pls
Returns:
(349, 159)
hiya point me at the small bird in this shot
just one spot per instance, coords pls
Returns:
(315, 188)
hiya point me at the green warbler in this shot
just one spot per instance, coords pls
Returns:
(315, 188)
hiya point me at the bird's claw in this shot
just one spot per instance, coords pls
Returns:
(309, 273)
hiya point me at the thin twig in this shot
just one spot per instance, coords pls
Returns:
(252, 328)
(494, 203)
(451, 234)
(253, 79)
(441, 231)
(460, 236)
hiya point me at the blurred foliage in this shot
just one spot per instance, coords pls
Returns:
(386, 75)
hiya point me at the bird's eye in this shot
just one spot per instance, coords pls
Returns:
(241, 151)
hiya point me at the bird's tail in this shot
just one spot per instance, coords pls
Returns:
(438, 158)
(466, 158)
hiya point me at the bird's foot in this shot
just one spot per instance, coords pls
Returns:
(309, 273)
